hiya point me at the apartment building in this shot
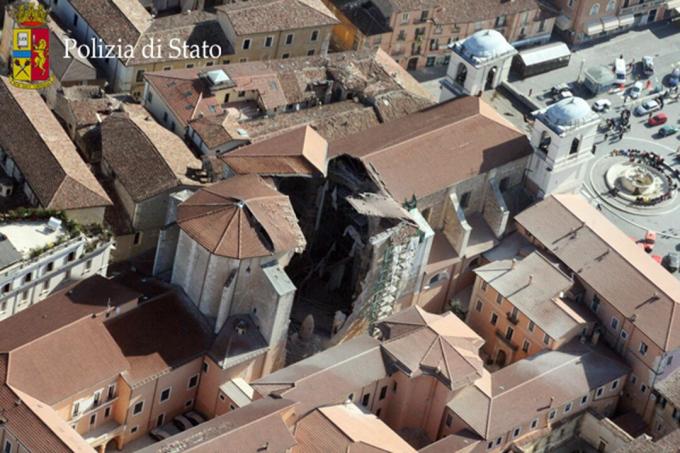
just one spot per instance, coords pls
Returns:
(585, 20)
(634, 301)
(276, 29)
(39, 165)
(666, 417)
(523, 306)
(417, 34)
(39, 252)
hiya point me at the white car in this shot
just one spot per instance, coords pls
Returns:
(647, 107)
(635, 90)
(601, 105)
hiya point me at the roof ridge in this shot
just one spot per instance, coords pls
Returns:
(615, 251)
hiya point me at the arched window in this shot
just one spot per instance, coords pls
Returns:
(440, 277)
(595, 9)
(611, 6)
(461, 75)
(574, 146)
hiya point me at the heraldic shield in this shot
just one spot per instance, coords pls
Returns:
(31, 48)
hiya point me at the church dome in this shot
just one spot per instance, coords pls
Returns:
(486, 44)
(569, 112)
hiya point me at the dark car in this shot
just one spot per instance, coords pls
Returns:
(672, 262)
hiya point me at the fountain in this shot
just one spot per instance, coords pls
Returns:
(635, 181)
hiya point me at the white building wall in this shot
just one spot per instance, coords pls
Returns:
(22, 293)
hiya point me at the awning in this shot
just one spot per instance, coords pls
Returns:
(593, 28)
(564, 23)
(610, 23)
(627, 20)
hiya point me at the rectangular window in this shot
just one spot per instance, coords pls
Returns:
(494, 319)
(531, 326)
(111, 393)
(546, 339)
(499, 298)
(614, 323)
(160, 420)
(599, 392)
(365, 399)
(71, 257)
(165, 394)
(285, 55)
(643, 348)
(383, 392)
(268, 41)
(567, 408)
(643, 388)
(516, 432)
(465, 200)
(134, 429)
(107, 412)
(8, 447)
(7, 288)
(140, 75)
(595, 304)
(188, 403)
(28, 277)
(404, 18)
(246, 44)
(552, 414)
(315, 35)
(310, 52)
(289, 39)
(93, 419)
(138, 236)
(534, 423)
(193, 381)
(449, 420)
(50, 266)
(88, 265)
(138, 408)
(96, 399)
(479, 306)
(525, 346)
(584, 399)
(508, 333)
(615, 384)
(76, 409)
(484, 286)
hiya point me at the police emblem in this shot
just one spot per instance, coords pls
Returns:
(31, 47)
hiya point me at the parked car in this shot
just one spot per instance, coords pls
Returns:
(667, 130)
(674, 77)
(636, 90)
(658, 119)
(182, 423)
(649, 240)
(602, 105)
(194, 417)
(647, 107)
(672, 261)
(648, 65)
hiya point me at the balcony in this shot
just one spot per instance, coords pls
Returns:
(512, 318)
(508, 343)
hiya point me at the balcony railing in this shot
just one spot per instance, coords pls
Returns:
(514, 319)
(641, 7)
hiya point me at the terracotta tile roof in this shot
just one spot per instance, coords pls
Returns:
(327, 377)
(159, 335)
(231, 347)
(609, 262)
(47, 158)
(346, 428)
(114, 21)
(443, 346)
(63, 362)
(464, 441)
(92, 296)
(301, 151)
(520, 392)
(241, 217)
(146, 158)
(259, 426)
(436, 148)
(261, 16)
(190, 28)
(23, 421)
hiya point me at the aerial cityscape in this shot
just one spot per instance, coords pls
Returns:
(340, 226)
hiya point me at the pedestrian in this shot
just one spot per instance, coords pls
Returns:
(606, 134)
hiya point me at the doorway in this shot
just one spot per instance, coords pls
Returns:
(490, 78)
(501, 357)
(412, 64)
